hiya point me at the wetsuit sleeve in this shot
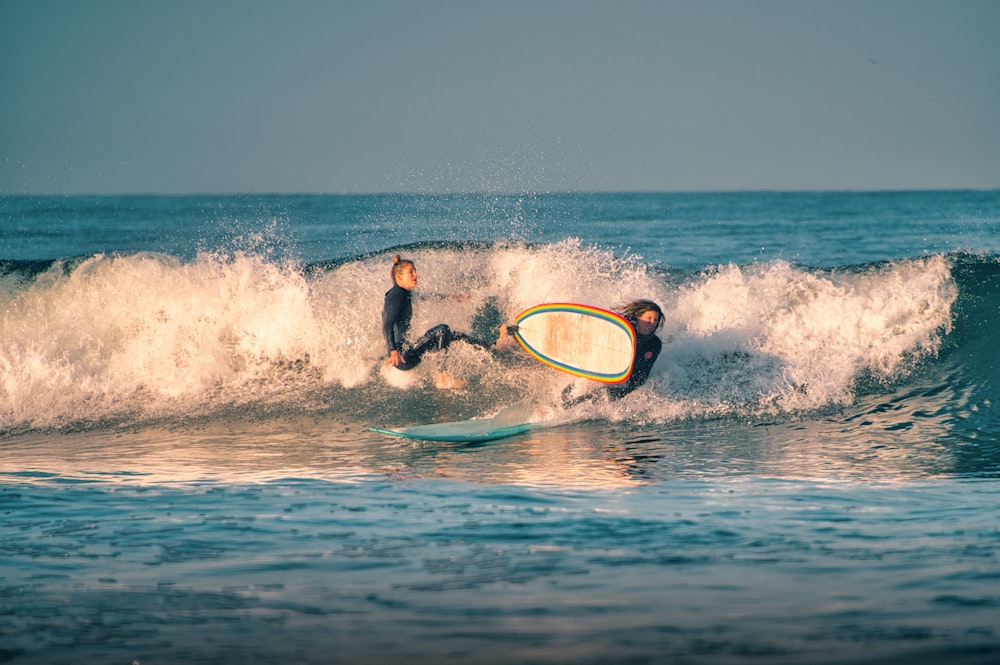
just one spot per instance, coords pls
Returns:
(645, 357)
(392, 311)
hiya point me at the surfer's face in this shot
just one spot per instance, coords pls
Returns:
(646, 323)
(407, 277)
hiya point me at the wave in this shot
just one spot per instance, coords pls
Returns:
(112, 339)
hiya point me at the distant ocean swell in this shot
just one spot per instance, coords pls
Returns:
(107, 340)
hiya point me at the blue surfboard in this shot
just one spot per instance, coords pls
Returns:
(509, 422)
(462, 431)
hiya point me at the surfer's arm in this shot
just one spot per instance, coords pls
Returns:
(391, 311)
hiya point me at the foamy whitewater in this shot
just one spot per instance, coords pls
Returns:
(143, 336)
(808, 476)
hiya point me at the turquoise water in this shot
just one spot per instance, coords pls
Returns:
(809, 476)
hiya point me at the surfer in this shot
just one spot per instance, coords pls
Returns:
(397, 310)
(646, 317)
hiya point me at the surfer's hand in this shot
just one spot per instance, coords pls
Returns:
(395, 359)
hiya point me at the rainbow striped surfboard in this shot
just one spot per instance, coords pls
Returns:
(578, 339)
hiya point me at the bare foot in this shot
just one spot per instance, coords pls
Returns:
(505, 340)
(445, 381)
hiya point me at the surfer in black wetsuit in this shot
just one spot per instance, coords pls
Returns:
(646, 318)
(397, 311)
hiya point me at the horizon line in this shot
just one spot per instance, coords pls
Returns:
(832, 190)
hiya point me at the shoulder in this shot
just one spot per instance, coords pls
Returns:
(651, 342)
(396, 300)
(396, 292)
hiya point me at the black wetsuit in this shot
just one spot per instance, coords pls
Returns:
(647, 350)
(397, 310)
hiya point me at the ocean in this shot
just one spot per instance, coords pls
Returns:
(810, 475)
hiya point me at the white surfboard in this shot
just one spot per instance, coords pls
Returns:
(578, 339)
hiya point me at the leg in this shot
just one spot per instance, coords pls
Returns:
(468, 339)
(435, 339)
(570, 402)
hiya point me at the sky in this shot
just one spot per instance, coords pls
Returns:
(370, 96)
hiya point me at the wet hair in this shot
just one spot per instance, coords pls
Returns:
(633, 310)
(397, 266)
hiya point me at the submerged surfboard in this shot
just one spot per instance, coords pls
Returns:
(581, 340)
(509, 422)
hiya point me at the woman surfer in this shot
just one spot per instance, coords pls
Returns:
(646, 318)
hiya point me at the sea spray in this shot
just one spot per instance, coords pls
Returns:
(801, 338)
(147, 335)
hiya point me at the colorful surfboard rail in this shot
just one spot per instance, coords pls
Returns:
(578, 339)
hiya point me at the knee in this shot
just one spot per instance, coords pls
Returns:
(442, 334)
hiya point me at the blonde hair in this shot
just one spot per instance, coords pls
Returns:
(397, 266)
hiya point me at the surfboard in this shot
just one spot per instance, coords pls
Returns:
(462, 431)
(578, 339)
(509, 422)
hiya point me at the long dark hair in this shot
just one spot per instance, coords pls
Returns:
(633, 310)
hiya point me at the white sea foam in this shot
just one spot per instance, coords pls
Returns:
(777, 335)
(147, 335)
